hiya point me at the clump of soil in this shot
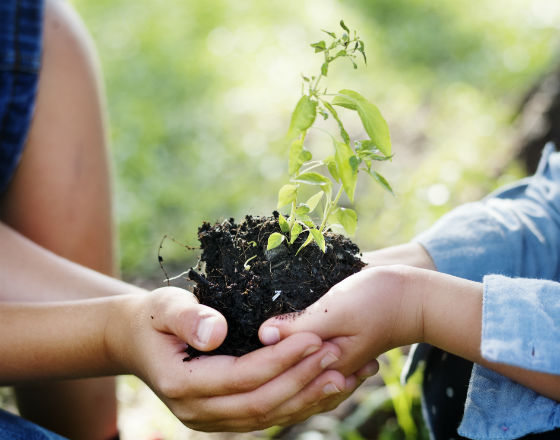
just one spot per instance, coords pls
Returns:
(248, 284)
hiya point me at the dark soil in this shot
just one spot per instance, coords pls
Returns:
(277, 282)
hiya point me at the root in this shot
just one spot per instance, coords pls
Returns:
(160, 258)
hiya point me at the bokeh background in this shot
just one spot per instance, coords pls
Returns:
(200, 94)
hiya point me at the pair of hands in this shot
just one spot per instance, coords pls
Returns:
(281, 384)
(310, 363)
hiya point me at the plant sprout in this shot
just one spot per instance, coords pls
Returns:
(350, 157)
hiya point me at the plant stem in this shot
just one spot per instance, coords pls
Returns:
(292, 218)
(329, 209)
(316, 163)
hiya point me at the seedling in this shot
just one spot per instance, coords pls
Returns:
(350, 156)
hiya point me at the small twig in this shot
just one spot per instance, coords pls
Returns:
(177, 276)
(160, 260)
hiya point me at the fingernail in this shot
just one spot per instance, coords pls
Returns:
(330, 388)
(328, 360)
(270, 335)
(311, 350)
(205, 328)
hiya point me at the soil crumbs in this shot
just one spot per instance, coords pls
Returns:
(248, 284)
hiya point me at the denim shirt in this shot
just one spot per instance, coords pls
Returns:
(509, 241)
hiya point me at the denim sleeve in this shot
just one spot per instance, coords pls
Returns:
(514, 235)
(521, 323)
(513, 232)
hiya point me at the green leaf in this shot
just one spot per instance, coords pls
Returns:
(320, 46)
(274, 240)
(332, 34)
(366, 145)
(312, 178)
(343, 26)
(343, 220)
(361, 48)
(376, 127)
(294, 233)
(286, 195)
(295, 161)
(314, 200)
(348, 219)
(302, 209)
(284, 226)
(303, 116)
(354, 163)
(331, 165)
(319, 239)
(306, 220)
(347, 172)
(306, 155)
(379, 178)
(325, 68)
(333, 112)
(366, 149)
(306, 242)
(368, 155)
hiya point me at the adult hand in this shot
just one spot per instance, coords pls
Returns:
(281, 384)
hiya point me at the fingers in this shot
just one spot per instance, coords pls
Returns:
(317, 319)
(178, 312)
(334, 314)
(324, 393)
(228, 375)
(313, 400)
(317, 398)
(263, 406)
(370, 369)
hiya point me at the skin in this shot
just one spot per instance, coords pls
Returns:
(57, 240)
(60, 198)
(396, 305)
(124, 329)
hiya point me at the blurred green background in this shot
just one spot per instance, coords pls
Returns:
(200, 93)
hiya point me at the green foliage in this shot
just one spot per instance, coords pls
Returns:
(390, 402)
(401, 395)
(199, 91)
(375, 125)
(275, 240)
(344, 166)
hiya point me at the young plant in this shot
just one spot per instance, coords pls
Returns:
(349, 158)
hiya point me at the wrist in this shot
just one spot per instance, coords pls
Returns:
(452, 314)
(120, 327)
(399, 286)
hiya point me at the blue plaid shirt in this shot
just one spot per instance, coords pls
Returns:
(509, 241)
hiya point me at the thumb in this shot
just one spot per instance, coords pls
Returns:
(321, 318)
(198, 325)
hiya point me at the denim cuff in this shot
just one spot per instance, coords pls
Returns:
(521, 323)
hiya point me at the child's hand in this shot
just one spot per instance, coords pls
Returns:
(282, 384)
(364, 315)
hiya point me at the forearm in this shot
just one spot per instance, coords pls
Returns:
(30, 273)
(59, 340)
(452, 320)
(410, 254)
